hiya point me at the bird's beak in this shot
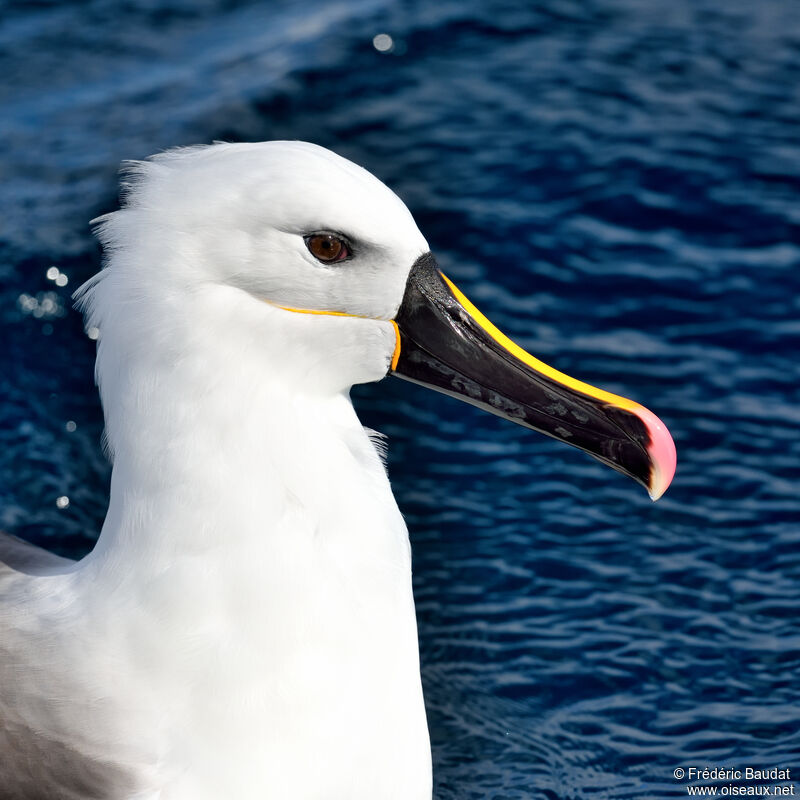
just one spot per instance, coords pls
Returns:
(447, 344)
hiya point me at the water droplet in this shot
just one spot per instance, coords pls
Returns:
(93, 332)
(44, 304)
(62, 280)
(63, 501)
(26, 302)
(383, 43)
(71, 426)
(52, 273)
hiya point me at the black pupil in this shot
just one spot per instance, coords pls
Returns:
(326, 247)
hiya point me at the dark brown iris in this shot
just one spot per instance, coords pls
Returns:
(326, 247)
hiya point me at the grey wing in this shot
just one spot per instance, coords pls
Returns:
(37, 761)
(22, 556)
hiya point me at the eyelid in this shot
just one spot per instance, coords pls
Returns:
(338, 234)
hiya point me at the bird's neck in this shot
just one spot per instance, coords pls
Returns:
(240, 478)
(254, 576)
(217, 459)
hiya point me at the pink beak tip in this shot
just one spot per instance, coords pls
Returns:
(661, 451)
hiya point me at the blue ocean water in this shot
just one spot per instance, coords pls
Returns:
(615, 183)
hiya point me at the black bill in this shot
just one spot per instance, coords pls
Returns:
(448, 345)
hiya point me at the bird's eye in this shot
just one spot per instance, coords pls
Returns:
(327, 248)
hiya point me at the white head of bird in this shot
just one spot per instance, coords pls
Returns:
(214, 242)
(248, 608)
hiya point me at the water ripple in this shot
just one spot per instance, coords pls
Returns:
(614, 183)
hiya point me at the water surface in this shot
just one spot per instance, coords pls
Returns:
(615, 184)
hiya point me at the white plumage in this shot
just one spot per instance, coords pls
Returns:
(245, 626)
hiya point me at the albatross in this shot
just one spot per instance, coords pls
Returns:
(245, 626)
